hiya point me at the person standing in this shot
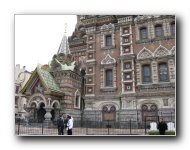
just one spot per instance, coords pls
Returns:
(70, 126)
(162, 126)
(60, 125)
(66, 121)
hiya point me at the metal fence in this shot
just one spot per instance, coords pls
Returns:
(88, 126)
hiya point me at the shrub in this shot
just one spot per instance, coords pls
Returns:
(157, 133)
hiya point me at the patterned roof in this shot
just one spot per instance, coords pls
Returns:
(48, 80)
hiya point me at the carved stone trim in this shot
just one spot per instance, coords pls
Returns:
(144, 54)
(161, 51)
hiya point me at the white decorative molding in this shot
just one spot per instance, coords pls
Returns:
(172, 51)
(171, 70)
(138, 73)
(57, 102)
(125, 19)
(38, 99)
(161, 51)
(100, 107)
(137, 32)
(156, 101)
(108, 60)
(166, 27)
(154, 72)
(150, 28)
(107, 30)
(144, 54)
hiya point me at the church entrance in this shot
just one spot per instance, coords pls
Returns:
(40, 113)
(149, 112)
(109, 113)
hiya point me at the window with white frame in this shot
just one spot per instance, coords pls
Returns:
(146, 73)
(158, 30)
(163, 72)
(108, 40)
(143, 33)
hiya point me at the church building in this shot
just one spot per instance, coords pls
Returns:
(113, 67)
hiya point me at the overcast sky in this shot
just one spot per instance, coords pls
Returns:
(37, 37)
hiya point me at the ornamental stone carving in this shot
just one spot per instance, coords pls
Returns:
(161, 52)
(108, 60)
(110, 26)
(144, 53)
(172, 51)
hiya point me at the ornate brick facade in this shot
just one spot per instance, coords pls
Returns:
(118, 43)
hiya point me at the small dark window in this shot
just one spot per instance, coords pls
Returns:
(77, 101)
(143, 33)
(159, 30)
(109, 78)
(163, 72)
(108, 41)
(17, 90)
(146, 73)
(173, 28)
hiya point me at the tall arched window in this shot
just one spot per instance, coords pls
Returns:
(109, 78)
(108, 40)
(77, 99)
(158, 30)
(143, 33)
(163, 72)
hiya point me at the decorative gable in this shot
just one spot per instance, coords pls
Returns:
(160, 52)
(108, 60)
(144, 53)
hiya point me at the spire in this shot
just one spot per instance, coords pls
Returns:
(64, 46)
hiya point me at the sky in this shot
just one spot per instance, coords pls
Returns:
(9, 46)
(37, 37)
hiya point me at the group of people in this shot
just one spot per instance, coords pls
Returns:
(66, 123)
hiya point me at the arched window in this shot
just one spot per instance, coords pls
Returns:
(109, 78)
(143, 33)
(173, 28)
(77, 99)
(108, 40)
(163, 72)
(158, 30)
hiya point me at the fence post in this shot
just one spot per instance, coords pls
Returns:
(18, 125)
(86, 127)
(42, 126)
(130, 125)
(108, 127)
(145, 125)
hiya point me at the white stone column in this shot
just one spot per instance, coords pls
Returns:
(27, 114)
(138, 73)
(154, 72)
(171, 70)
(48, 114)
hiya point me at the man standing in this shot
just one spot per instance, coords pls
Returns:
(162, 126)
(60, 125)
(70, 126)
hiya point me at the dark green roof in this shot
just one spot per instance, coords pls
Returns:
(49, 81)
